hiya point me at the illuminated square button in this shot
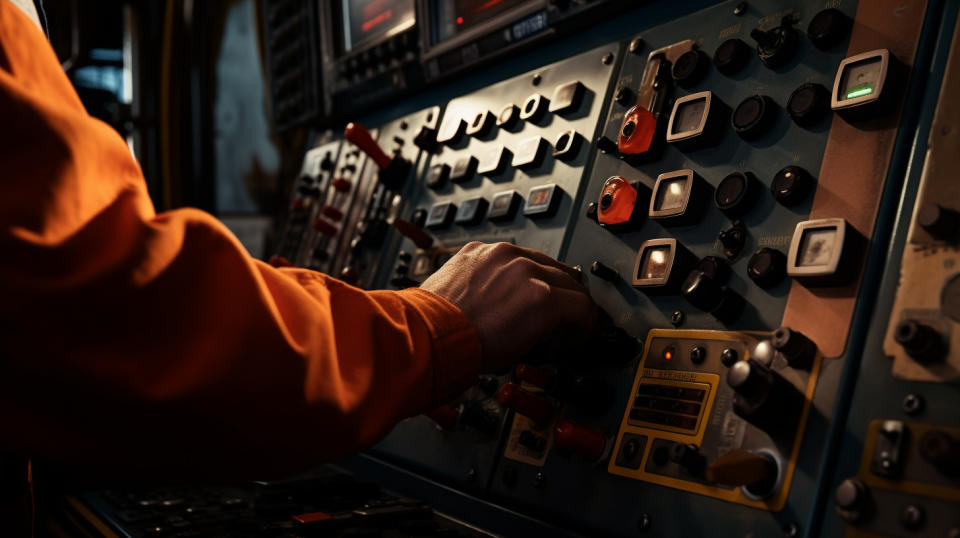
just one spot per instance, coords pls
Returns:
(823, 252)
(441, 215)
(471, 211)
(542, 201)
(661, 265)
(697, 121)
(464, 169)
(678, 197)
(864, 83)
(494, 161)
(530, 153)
(567, 97)
(504, 206)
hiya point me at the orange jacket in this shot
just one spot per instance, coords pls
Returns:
(154, 343)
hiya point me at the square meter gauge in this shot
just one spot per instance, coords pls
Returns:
(678, 197)
(864, 83)
(697, 121)
(822, 252)
(661, 265)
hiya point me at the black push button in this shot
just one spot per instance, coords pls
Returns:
(542, 201)
(754, 116)
(494, 162)
(464, 169)
(736, 193)
(504, 206)
(689, 68)
(791, 185)
(767, 267)
(530, 153)
(437, 176)
(441, 215)
(471, 212)
(808, 103)
(731, 56)
(567, 98)
(828, 28)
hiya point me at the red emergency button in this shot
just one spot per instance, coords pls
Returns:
(525, 402)
(332, 213)
(324, 227)
(445, 416)
(637, 132)
(579, 439)
(341, 185)
(537, 377)
(279, 261)
(618, 203)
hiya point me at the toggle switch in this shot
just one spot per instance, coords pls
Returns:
(413, 232)
(795, 347)
(777, 46)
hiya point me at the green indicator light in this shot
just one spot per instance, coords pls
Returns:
(860, 92)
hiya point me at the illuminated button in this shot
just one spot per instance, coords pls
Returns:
(532, 406)
(471, 212)
(441, 215)
(731, 56)
(542, 201)
(534, 108)
(697, 121)
(504, 206)
(464, 169)
(821, 252)
(828, 28)
(689, 68)
(324, 227)
(678, 197)
(341, 185)
(661, 265)
(567, 145)
(437, 176)
(332, 213)
(736, 193)
(567, 97)
(767, 267)
(863, 86)
(620, 205)
(777, 46)
(451, 130)
(481, 124)
(579, 439)
(530, 153)
(509, 117)
(808, 104)
(754, 116)
(494, 162)
(791, 185)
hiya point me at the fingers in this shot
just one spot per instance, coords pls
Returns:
(524, 269)
(572, 310)
(537, 256)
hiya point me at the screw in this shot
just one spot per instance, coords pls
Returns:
(607, 58)
(729, 356)
(404, 125)
(912, 516)
(740, 9)
(538, 480)
(913, 404)
(536, 79)
(636, 45)
(790, 530)
(677, 318)
(644, 522)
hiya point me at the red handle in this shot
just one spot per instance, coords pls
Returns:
(360, 136)
(419, 237)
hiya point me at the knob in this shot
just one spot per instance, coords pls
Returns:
(526, 403)
(767, 267)
(445, 416)
(623, 95)
(324, 227)
(828, 28)
(731, 56)
(777, 46)
(715, 268)
(706, 294)
(579, 439)
(791, 185)
(298, 205)
(736, 193)
(921, 341)
(688, 456)
(754, 116)
(604, 272)
(733, 240)
(393, 170)
(853, 499)
(795, 347)
(532, 375)
(341, 185)
(938, 221)
(689, 68)
(755, 472)
(750, 379)
(941, 450)
(415, 233)
(808, 103)
(764, 397)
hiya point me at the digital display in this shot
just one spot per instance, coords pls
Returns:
(367, 20)
(656, 261)
(670, 195)
(816, 247)
(861, 78)
(688, 116)
(454, 17)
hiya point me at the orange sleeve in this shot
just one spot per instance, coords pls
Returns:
(152, 342)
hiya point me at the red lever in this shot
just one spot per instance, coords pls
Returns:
(360, 136)
(525, 402)
(579, 439)
(414, 232)
(324, 227)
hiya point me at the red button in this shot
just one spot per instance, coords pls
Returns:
(537, 377)
(324, 227)
(617, 203)
(525, 402)
(332, 213)
(342, 185)
(579, 439)
(637, 132)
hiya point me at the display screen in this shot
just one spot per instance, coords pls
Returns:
(816, 247)
(453, 17)
(656, 262)
(860, 78)
(670, 194)
(689, 115)
(364, 21)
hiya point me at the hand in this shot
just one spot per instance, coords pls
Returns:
(514, 297)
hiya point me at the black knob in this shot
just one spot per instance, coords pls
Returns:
(623, 95)
(592, 211)
(938, 221)
(754, 116)
(777, 46)
(795, 347)
(913, 516)
(689, 68)
(921, 341)
(828, 28)
(419, 218)
(704, 293)
(715, 268)
(688, 456)
(736, 193)
(733, 240)
(808, 103)
(605, 272)
(942, 451)
(767, 267)
(731, 56)
(750, 379)
(729, 356)
(791, 185)
(853, 499)
(605, 145)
